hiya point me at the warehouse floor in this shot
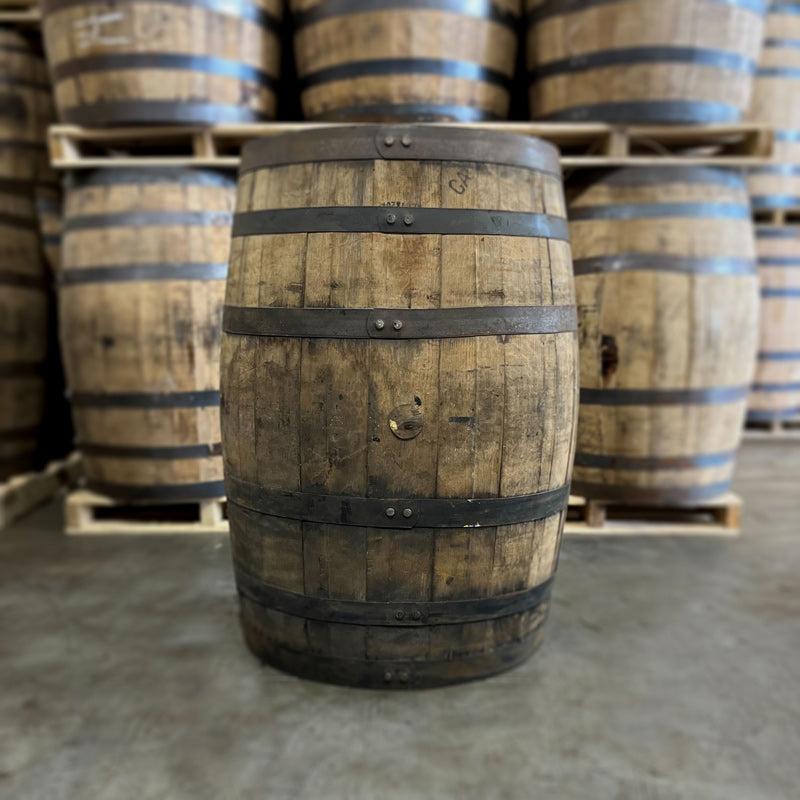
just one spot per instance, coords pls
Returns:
(670, 671)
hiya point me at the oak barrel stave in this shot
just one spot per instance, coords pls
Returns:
(667, 299)
(776, 386)
(163, 61)
(362, 61)
(635, 61)
(352, 449)
(141, 304)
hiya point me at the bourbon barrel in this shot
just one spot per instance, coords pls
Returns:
(639, 61)
(668, 304)
(776, 103)
(141, 297)
(118, 62)
(385, 60)
(23, 331)
(398, 400)
(776, 387)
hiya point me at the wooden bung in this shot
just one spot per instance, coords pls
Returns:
(643, 61)
(776, 103)
(398, 400)
(383, 60)
(122, 62)
(666, 282)
(776, 387)
(142, 285)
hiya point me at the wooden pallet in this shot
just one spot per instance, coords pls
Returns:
(777, 216)
(86, 512)
(582, 144)
(721, 517)
(776, 430)
(20, 12)
(22, 493)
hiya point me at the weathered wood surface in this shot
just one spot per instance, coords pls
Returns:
(776, 386)
(141, 298)
(776, 102)
(674, 61)
(368, 62)
(373, 416)
(163, 62)
(668, 303)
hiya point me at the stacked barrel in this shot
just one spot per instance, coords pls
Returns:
(25, 180)
(775, 192)
(145, 251)
(664, 257)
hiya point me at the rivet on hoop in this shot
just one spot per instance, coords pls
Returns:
(406, 141)
(403, 676)
(407, 512)
(389, 141)
(392, 218)
(408, 219)
(387, 676)
(397, 324)
(416, 615)
(399, 614)
(390, 512)
(380, 324)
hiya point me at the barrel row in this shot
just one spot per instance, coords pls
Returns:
(689, 61)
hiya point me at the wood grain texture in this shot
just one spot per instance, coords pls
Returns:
(676, 87)
(392, 63)
(776, 389)
(653, 328)
(493, 415)
(162, 62)
(123, 334)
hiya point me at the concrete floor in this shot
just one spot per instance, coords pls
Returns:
(670, 671)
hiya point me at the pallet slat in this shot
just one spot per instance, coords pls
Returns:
(22, 493)
(584, 144)
(720, 517)
(89, 513)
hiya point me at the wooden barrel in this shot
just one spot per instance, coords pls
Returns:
(398, 400)
(384, 60)
(117, 62)
(23, 332)
(668, 307)
(141, 297)
(640, 61)
(776, 387)
(26, 109)
(776, 102)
